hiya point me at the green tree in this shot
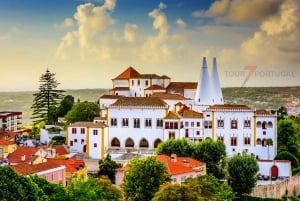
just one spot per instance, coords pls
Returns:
(48, 97)
(143, 178)
(108, 167)
(65, 106)
(83, 111)
(14, 187)
(210, 188)
(180, 147)
(213, 153)
(96, 189)
(55, 192)
(288, 137)
(242, 170)
(285, 155)
(176, 192)
(281, 113)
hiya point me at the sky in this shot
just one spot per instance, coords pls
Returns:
(86, 43)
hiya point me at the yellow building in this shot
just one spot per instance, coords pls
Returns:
(7, 147)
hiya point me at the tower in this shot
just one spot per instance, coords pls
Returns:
(217, 96)
(203, 93)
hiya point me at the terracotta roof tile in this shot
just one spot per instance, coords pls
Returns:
(172, 115)
(72, 164)
(61, 150)
(182, 85)
(27, 169)
(191, 114)
(139, 102)
(88, 124)
(17, 155)
(130, 72)
(229, 107)
(6, 142)
(109, 97)
(263, 112)
(169, 96)
(155, 87)
(120, 89)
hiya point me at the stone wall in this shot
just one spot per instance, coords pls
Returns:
(276, 189)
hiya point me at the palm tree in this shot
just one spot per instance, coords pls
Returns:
(269, 142)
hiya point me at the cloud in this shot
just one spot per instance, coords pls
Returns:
(277, 40)
(240, 11)
(90, 20)
(68, 22)
(130, 32)
(180, 23)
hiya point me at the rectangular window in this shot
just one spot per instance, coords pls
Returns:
(95, 132)
(198, 124)
(113, 122)
(175, 125)
(59, 175)
(148, 123)
(220, 123)
(167, 125)
(182, 178)
(136, 123)
(205, 124)
(159, 123)
(75, 140)
(209, 124)
(186, 124)
(132, 82)
(247, 124)
(139, 82)
(71, 143)
(192, 124)
(82, 130)
(95, 145)
(247, 141)
(124, 122)
(233, 141)
(197, 132)
(221, 138)
(82, 141)
(73, 130)
(146, 83)
(186, 133)
(53, 176)
(234, 124)
(172, 135)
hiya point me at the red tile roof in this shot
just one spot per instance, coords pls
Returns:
(191, 114)
(263, 112)
(180, 165)
(6, 142)
(172, 115)
(88, 124)
(61, 150)
(130, 72)
(139, 102)
(16, 156)
(120, 89)
(72, 164)
(229, 107)
(174, 86)
(155, 87)
(27, 169)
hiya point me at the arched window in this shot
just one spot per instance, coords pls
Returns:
(270, 124)
(129, 143)
(156, 143)
(144, 143)
(264, 142)
(258, 124)
(115, 142)
(258, 141)
(264, 125)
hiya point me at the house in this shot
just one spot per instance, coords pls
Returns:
(178, 168)
(52, 172)
(88, 137)
(75, 168)
(7, 147)
(274, 169)
(9, 121)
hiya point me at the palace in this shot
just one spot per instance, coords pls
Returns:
(143, 110)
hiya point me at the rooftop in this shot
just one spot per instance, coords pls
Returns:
(139, 102)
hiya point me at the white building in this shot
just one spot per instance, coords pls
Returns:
(145, 109)
(88, 137)
(9, 121)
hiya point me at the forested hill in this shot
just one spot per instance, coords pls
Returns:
(258, 97)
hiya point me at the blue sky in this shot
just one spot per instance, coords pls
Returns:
(86, 43)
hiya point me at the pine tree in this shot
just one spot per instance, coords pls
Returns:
(47, 99)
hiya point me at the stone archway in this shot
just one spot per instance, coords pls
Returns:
(129, 143)
(144, 143)
(157, 142)
(115, 142)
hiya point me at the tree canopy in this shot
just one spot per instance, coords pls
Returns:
(46, 99)
(180, 147)
(242, 170)
(143, 178)
(107, 167)
(83, 111)
(176, 192)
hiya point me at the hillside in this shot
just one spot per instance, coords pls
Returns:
(258, 97)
